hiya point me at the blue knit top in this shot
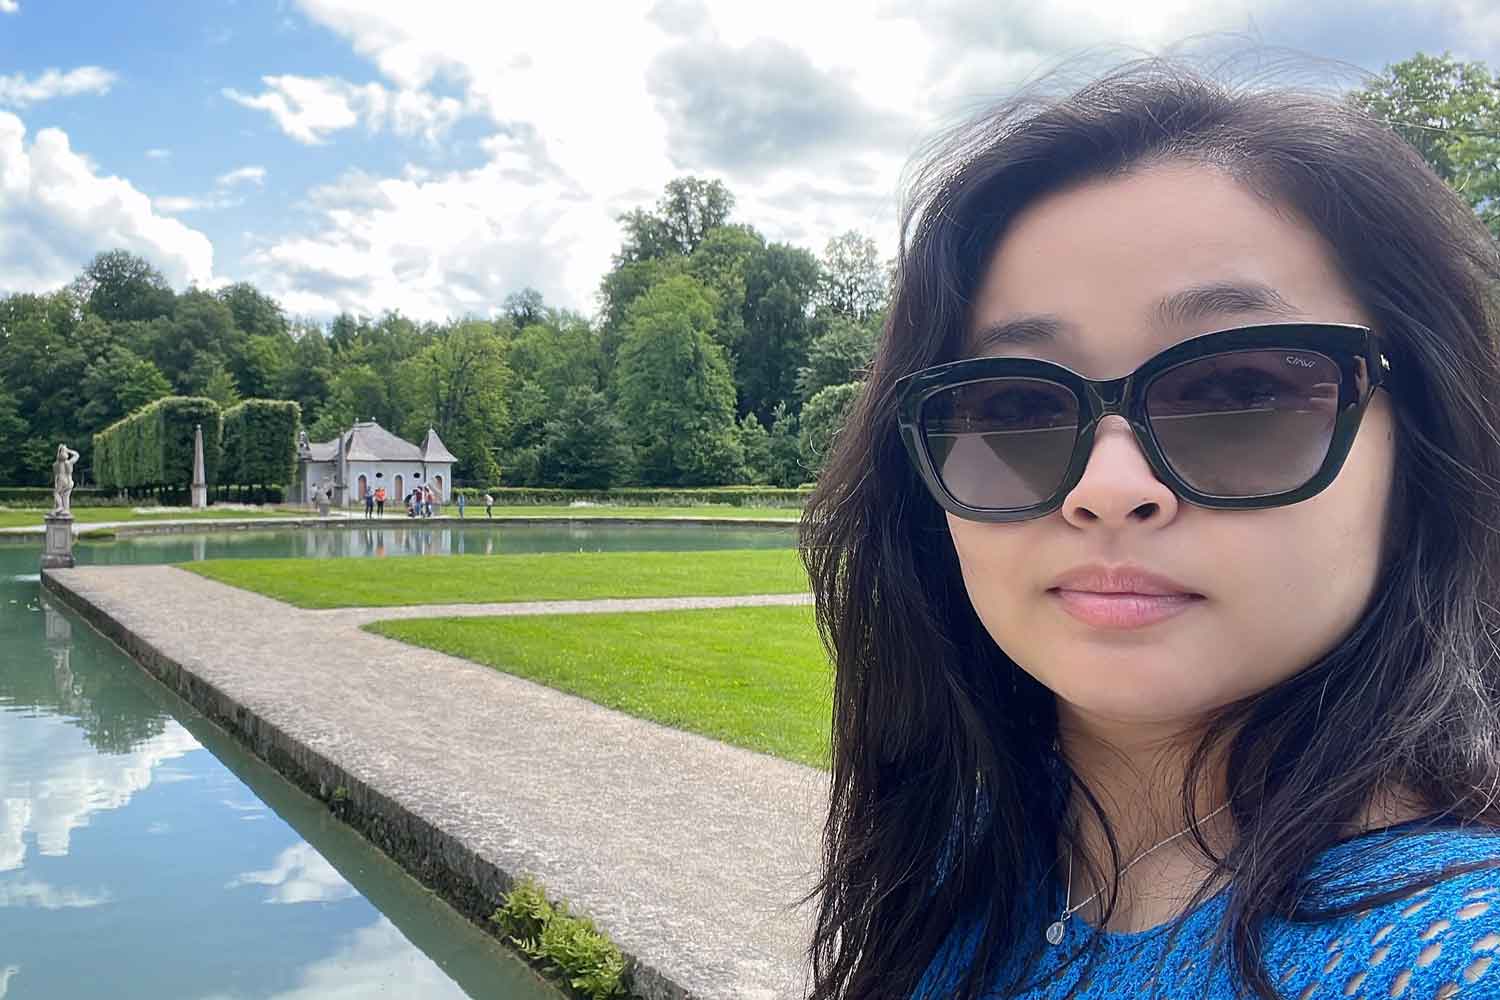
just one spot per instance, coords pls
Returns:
(1438, 942)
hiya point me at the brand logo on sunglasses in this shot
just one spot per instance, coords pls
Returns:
(1292, 359)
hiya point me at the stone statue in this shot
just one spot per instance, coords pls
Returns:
(62, 480)
(304, 446)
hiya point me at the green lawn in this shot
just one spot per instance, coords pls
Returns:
(11, 517)
(360, 582)
(642, 511)
(754, 677)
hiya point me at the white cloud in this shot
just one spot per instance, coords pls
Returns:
(310, 108)
(809, 112)
(436, 245)
(55, 782)
(178, 204)
(19, 91)
(56, 212)
(299, 875)
(367, 964)
(158, 154)
(41, 896)
(10, 7)
(243, 175)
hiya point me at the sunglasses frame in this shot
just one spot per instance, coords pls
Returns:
(1354, 349)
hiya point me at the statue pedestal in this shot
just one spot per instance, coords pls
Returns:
(322, 508)
(58, 551)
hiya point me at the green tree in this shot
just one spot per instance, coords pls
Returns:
(853, 283)
(357, 392)
(626, 282)
(673, 390)
(687, 211)
(458, 385)
(13, 436)
(118, 286)
(262, 369)
(199, 341)
(779, 288)
(1449, 111)
(46, 345)
(524, 308)
(755, 447)
(822, 419)
(784, 463)
(118, 383)
(837, 355)
(720, 264)
(309, 377)
(655, 246)
(255, 313)
(584, 444)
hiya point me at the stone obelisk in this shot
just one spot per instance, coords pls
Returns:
(200, 484)
(340, 484)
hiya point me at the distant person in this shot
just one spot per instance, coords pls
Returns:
(369, 505)
(427, 501)
(489, 505)
(461, 503)
(380, 501)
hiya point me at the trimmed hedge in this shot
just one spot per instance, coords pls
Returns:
(735, 496)
(41, 496)
(260, 443)
(153, 447)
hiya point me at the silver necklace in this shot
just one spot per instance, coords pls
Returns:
(1057, 927)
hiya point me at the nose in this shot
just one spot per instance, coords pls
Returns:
(1119, 488)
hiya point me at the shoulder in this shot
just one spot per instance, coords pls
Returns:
(1439, 941)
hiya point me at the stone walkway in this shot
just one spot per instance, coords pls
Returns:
(689, 853)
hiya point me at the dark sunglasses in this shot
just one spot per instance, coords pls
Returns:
(1253, 417)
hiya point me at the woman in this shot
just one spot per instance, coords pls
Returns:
(1157, 562)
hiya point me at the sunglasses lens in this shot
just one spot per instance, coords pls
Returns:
(1246, 423)
(1001, 443)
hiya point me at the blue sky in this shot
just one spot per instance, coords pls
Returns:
(433, 157)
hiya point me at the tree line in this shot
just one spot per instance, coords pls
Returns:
(711, 342)
(716, 356)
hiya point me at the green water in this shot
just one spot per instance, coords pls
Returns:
(143, 854)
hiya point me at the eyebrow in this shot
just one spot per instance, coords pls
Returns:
(1188, 305)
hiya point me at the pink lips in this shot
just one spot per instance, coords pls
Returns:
(1121, 597)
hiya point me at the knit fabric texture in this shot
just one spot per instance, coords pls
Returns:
(1438, 942)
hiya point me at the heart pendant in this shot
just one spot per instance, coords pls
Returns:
(1055, 932)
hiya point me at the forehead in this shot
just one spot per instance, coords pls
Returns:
(1106, 273)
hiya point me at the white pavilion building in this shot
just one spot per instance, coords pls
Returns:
(366, 457)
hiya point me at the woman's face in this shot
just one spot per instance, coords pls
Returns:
(1272, 590)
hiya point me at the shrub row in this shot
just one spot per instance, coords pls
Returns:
(41, 496)
(736, 496)
(154, 445)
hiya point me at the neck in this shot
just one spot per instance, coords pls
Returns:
(1136, 773)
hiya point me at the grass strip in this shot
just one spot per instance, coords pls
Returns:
(754, 677)
(359, 582)
(647, 512)
(11, 517)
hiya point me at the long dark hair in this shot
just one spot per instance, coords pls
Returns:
(945, 796)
